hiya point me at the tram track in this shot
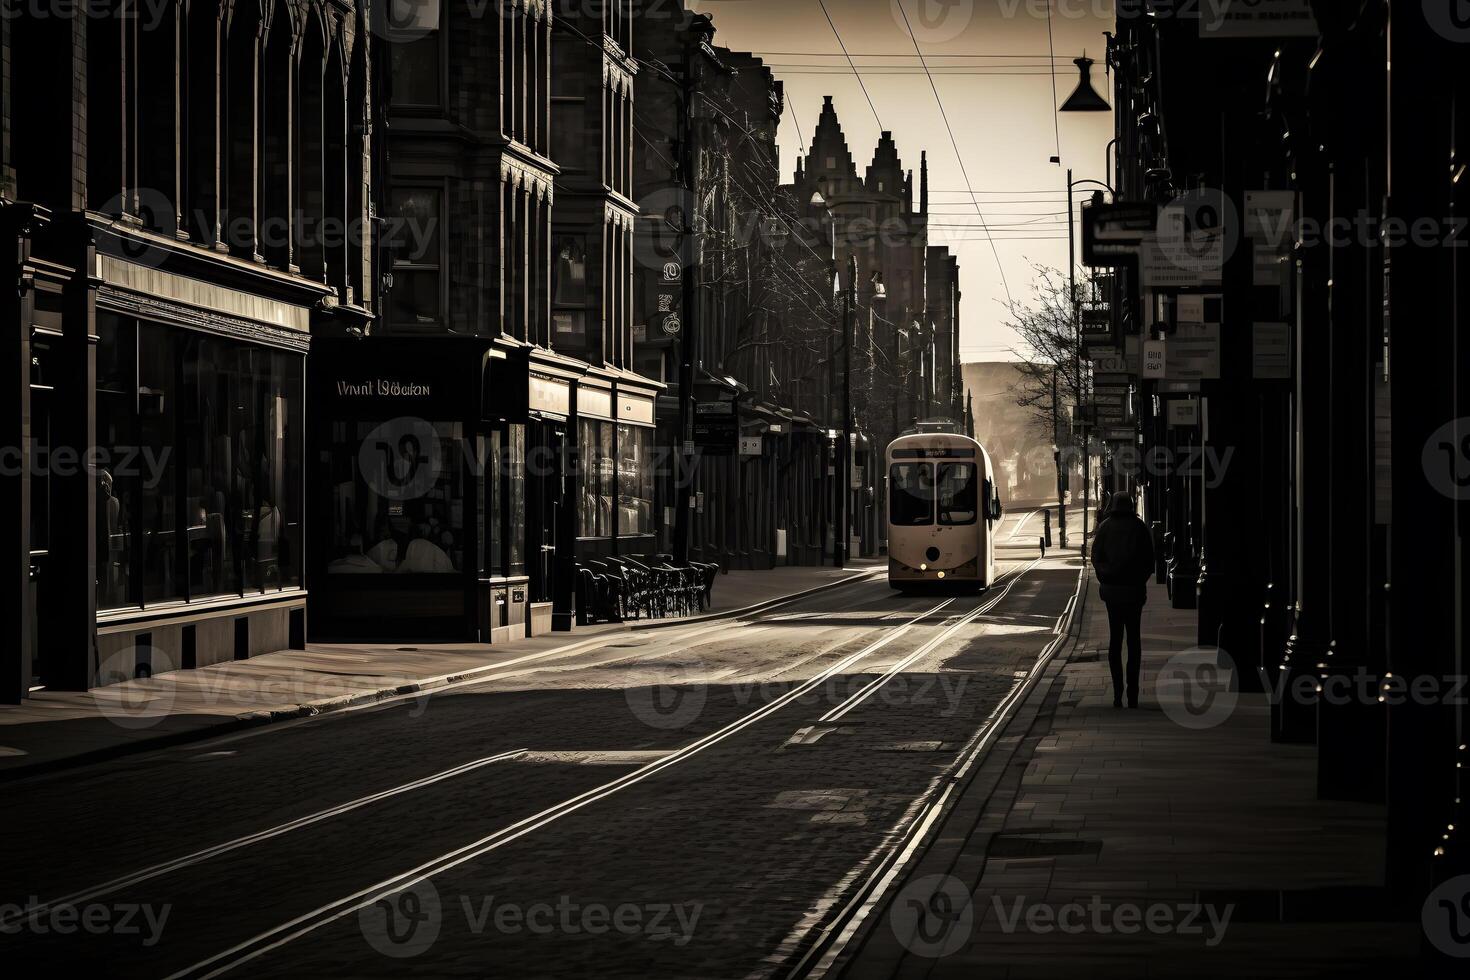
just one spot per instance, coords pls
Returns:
(302, 925)
(260, 943)
(821, 946)
(673, 643)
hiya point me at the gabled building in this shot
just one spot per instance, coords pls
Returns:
(905, 354)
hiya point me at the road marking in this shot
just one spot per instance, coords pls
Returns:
(294, 929)
(209, 853)
(891, 859)
(876, 683)
(1023, 522)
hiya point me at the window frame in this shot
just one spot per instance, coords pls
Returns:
(440, 186)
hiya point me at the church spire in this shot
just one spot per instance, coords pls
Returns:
(829, 158)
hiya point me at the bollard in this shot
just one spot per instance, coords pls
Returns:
(1046, 526)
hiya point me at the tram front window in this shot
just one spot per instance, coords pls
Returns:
(959, 501)
(911, 494)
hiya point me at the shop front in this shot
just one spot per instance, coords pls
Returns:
(617, 456)
(421, 487)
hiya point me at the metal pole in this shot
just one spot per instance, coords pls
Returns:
(1056, 435)
(684, 480)
(844, 468)
(1077, 357)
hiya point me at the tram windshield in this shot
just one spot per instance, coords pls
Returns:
(911, 494)
(959, 500)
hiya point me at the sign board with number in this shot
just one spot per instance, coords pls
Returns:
(1183, 411)
(1155, 361)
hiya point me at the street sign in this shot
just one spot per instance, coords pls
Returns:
(1155, 364)
(1113, 233)
(716, 427)
(1257, 19)
(1194, 353)
(1270, 351)
(1109, 363)
(1117, 434)
(1183, 411)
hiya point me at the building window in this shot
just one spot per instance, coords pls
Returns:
(417, 213)
(569, 133)
(199, 492)
(569, 295)
(414, 53)
(635, 480)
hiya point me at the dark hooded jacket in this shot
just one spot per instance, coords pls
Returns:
(1123, 554)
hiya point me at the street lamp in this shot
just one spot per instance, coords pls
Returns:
(844, 467)
(1085, 98)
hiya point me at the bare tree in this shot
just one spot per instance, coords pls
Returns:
(1050, 383)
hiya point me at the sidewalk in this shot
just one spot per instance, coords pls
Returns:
(1158, 842)
(59, 729)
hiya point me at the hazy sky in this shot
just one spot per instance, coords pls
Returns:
(990, 59)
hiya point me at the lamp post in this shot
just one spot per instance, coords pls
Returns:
(1083, 99)
(844, 466)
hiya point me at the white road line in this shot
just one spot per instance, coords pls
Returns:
(1024, 521)
(287, 932)
(876, 683)
(209, 853)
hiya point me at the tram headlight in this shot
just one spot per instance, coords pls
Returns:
(923, 567)
(941, 575)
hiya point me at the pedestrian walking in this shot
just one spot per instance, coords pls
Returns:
(1123, 555)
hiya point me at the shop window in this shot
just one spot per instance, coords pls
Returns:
(635, 480)
(199, 488)
(413, 237)
(157, 418)
(505, 501)
(117, 480)
(398, 498)
(596, 439)
(415, 53)
(515, 500)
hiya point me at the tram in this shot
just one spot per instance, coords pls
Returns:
(943, 510)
